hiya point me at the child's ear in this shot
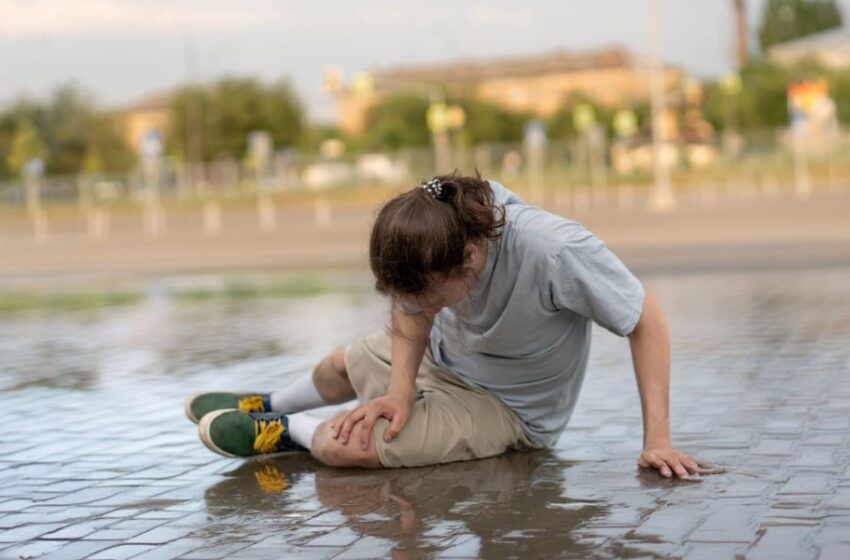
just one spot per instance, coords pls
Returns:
(469, 253)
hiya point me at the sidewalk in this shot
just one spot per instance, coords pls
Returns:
(728, 234)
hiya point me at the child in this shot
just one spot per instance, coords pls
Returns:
(492, 304)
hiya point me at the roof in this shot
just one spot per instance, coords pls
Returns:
(833, 39)
(152, 102)
(476, 70)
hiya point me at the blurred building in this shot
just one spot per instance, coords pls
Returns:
(149, 114)
(828, 48)
(537, 84)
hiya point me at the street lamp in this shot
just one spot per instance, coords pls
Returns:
(661, 198)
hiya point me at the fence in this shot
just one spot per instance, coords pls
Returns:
(570, 175)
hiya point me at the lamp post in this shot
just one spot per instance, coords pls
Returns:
(661, 198)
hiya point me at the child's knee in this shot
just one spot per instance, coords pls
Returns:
(338, 360)
(334, 453)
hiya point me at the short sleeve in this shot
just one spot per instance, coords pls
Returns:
(584, 276)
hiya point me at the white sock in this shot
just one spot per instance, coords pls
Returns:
(302, 426)
(299, 395)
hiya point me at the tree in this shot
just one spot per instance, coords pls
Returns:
(783, 20)
(762, 102)
(487, 122)
(71, 129)
(211, 121)
(561, 125)
(26, 145)
(397, 121)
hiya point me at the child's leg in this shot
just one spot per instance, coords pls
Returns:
(327, 384)
(334, 453)
(303, 425)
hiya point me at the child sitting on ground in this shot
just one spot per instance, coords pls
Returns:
(492, 303)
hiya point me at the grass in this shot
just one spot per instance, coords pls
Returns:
(238, 290)
(16, 301)
(301, 286)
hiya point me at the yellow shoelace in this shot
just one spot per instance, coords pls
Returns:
(266, 435)
(253, 403)
(270, 480)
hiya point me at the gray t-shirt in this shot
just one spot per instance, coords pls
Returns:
(523, 332)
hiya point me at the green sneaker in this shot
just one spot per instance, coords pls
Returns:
(233, 433)
(202, 403)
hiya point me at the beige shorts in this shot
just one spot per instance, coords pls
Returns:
(450, 420)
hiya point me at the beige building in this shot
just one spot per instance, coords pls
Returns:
(151, 113)
(537, 84)
(828, 48)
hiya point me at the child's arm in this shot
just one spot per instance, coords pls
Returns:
(650, 345)
(411, 333)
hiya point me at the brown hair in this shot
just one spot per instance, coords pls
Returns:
(419, 236)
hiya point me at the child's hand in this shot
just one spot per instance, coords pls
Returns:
(393, 406)
(668, 461)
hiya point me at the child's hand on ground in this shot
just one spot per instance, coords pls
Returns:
(393, 406)
(668, 461)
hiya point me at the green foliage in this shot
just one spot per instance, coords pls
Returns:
(761, 103)
(763, 100)
(397, 121)
(218, 119)
(71, 133)
(562, 126)
(839, 84)
(488, 123)
(783, 20)
(26, 145)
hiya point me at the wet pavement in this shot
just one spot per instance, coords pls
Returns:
(98, 460)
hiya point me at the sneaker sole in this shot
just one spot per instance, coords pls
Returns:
(204, 429)
(188, 409)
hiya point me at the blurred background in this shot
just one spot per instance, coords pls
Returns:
(140, 142)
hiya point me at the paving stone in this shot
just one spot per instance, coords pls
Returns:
(120, 552)
(77, 549)
(160, 535)
(31, 549)
(341, 537)
(27, 532)
(805, 484)
(714, 550)
(173, 549)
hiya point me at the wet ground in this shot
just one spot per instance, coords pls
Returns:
(99, 462)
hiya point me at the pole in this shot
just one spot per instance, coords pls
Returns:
(661, 199)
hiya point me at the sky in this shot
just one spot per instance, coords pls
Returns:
(123, 50)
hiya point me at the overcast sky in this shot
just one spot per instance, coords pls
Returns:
(122, 50)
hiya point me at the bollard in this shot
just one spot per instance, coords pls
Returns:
(267, 214)
(802, 174)
(322, 212)
(212, 218)
(153, 220)
(40, 226)
(97, 220)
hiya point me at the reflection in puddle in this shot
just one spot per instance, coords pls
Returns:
(507, 506)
